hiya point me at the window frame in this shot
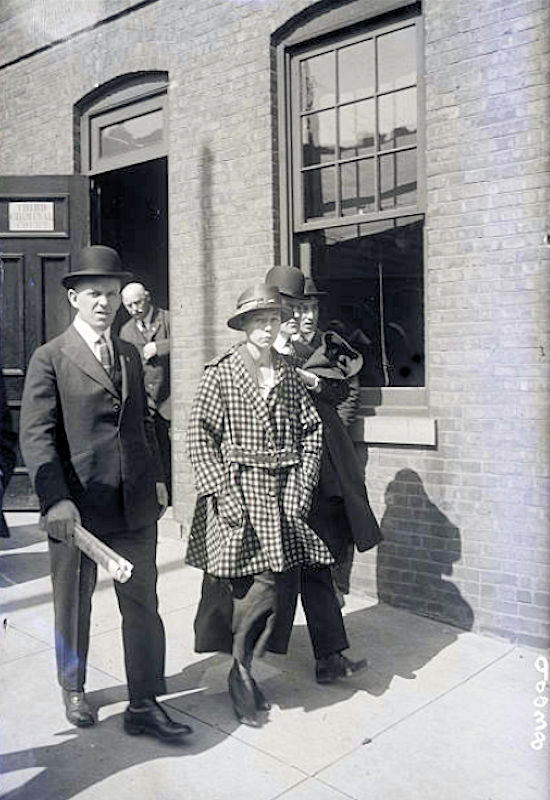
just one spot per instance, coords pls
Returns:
(381, 407)
(136, 95)
(335, 43)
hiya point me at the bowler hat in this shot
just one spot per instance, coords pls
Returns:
(259, 297)
(288, 280)
(96, 261)
(310, 290)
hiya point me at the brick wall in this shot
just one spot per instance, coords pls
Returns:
(465, 523)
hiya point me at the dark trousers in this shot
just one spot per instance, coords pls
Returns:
(162, 430)
(323, 614)
(74, 578)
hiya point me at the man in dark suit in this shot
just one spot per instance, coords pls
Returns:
(149, 330)
(319, 600)
(87, 439)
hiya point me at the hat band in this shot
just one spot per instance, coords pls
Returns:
(250, 305)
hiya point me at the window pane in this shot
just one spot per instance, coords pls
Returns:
(318, 138)
(398, 179)
(397, 119)
(357, 129)
(357, 179)
(397, 59)
(318, 82)
(319, 193)
(356, 71)
(374, 285)
(132, 134)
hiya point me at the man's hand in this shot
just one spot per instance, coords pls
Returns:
(162, 497)
(61, 519)
(149, 350)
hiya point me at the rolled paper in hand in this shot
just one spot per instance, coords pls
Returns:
(119, 568)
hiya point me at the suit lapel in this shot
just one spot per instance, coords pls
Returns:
(154, 325)
(244, 380)
(274, 395)
(76, 349)
(124, 362)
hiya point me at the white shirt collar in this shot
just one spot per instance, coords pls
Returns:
(282, 344)
(90, 336)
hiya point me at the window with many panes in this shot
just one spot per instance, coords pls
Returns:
(356, 191)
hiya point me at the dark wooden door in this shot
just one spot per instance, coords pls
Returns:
(44, 221)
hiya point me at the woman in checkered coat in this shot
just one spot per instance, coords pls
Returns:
(255, 443)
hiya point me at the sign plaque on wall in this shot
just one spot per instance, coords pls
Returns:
(31, 216)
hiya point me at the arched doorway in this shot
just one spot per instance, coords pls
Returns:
(124, 149)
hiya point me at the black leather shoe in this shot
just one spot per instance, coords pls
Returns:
(150, 717)
(243, 698)
(77, 709)
(335, 666)
(262, 704)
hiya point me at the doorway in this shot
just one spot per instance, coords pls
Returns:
(129, 211)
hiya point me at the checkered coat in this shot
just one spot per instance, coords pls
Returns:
(256, 463)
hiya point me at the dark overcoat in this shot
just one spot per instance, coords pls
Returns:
(256, 464)
(335, 362)
(156, 370)
(85, 440)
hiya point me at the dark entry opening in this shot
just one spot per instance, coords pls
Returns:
(130, 213)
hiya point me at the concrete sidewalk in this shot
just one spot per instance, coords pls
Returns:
(440, 714)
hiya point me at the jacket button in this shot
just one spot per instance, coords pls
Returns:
(116, 407)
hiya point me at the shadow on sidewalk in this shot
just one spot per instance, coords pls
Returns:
(395, 642)
(16, 568)
(91, 755)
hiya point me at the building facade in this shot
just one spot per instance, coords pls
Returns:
(397, 153)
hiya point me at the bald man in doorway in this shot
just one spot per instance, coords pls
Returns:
(149, 330)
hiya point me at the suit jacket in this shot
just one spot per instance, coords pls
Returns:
(157, 369)
(83, 440)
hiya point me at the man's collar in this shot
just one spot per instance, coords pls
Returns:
(305, 337)
(282, 344)
(89, 335)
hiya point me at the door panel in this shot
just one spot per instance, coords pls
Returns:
(44, 222)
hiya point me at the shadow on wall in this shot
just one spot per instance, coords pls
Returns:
(420, 545)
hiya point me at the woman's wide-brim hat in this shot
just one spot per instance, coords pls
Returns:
(97, 261)
(259, 297)
(311, 290)
(288, 280)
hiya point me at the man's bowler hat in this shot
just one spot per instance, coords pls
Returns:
(310, 289)
(259, 297)
(97, 261)
(288, 280)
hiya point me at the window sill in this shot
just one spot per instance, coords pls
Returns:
(398, 428)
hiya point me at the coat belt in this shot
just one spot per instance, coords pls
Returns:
(268, 459)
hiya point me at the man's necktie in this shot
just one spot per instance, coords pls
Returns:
(105, 356)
